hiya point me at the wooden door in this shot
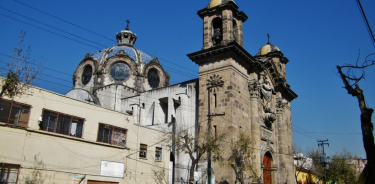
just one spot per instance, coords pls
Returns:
(267, 174)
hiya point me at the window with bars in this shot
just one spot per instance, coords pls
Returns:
(62, 123)
(14, 113)
(9, 173)
(143, 151)
(158, 154)
(112, 135)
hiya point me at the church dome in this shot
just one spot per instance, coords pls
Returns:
(121, 64)
(214, 3)
(269, 47)
(125, 44)
(265, 49)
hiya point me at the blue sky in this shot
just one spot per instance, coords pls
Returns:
(315, 36)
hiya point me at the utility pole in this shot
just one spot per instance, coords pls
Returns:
(323, 159)
(214, 82)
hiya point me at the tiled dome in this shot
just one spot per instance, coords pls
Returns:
(137, 55)
(125, 42)
(269, 47)
(214, 3)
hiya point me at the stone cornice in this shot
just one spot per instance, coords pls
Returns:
(227, 6)
(232, 49)
(289, 93)
(277, 54)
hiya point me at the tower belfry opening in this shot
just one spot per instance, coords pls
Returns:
(222, 23)
(217, 26)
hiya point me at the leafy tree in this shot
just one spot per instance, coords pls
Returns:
(339, 170)
(350, 78)
(21, 72)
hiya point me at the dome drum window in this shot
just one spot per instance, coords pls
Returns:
(153, 78)
(86, 74)
(120, 71)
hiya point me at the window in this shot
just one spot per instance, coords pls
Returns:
(120, 71)
(86, 74)
(14, 113)
(9, 173)
(62, 123)
(112, 135)
(158, 154)
(143, 151)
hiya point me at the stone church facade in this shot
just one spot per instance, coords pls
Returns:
(254, 98)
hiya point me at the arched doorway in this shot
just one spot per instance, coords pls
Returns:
(267, 173)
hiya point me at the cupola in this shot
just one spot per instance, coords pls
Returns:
(214, 3)
(126, 37)
(269, 47)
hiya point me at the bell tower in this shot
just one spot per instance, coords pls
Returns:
(253, 98)
(223, 57)
(222, 22)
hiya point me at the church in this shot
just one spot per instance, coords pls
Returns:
(237, 91)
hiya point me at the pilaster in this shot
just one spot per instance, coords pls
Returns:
(255, 126)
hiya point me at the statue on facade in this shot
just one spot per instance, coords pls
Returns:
(267, 91)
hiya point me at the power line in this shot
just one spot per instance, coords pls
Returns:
(64, 20)
(366, 21)
(303, 130)
(176, 64)
(170, 69)
(50, 31)
(335, 133)
(53, 27)
(32, 64)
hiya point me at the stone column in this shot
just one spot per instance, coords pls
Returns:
(282, 145)
(255, 129)
(227, 18)
(290, 152)
(207, 32)
(240, 33)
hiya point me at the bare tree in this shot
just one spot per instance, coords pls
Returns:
(351, 79)
(21, 71)
(241, 158)
(196, 146)
(159, 175)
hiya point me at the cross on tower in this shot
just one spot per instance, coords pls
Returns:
(268, 35)
(127, 24)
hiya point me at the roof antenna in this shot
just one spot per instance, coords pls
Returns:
(268, 35)
(127, 25)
